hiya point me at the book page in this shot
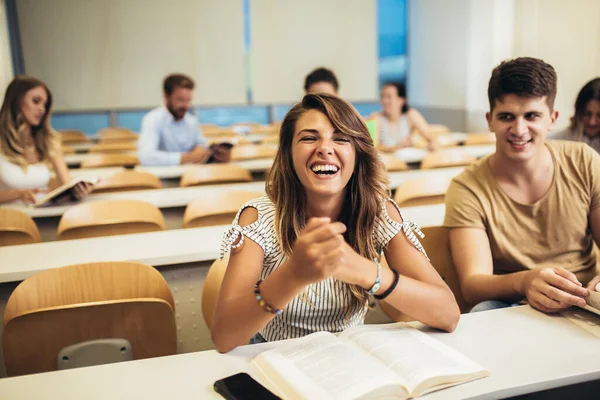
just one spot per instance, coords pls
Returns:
(414, 356)
(584, 319)
(320, 366)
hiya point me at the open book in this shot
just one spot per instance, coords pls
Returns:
(585, 320)
(62, 192)
(364, 362)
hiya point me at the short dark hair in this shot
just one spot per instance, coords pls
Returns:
(401, 91)
(320, 75)
(524, 77)
(177, 80)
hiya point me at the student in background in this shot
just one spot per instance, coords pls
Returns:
(29, 147)
(171, 134)
(524, 220)
(585, 124)
(397, 120)
(321, 80)
(305, 258)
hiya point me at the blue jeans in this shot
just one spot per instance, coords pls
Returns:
(492, 305)
(257, 339)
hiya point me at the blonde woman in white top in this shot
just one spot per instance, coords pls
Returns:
(305, 258)
(397, 120)
(28, 145)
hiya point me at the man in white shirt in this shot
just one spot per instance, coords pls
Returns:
(171, 135)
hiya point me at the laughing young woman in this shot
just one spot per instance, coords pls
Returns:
(312, 258)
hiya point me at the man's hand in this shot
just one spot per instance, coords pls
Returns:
(553, 289)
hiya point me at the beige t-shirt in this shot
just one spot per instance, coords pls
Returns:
(553, 232)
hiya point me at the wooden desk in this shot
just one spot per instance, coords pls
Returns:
(176, 246)
(169, 247)
(181, 196)
(172, 172)
(525, 350)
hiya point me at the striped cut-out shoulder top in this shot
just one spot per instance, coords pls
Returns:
(324, 306)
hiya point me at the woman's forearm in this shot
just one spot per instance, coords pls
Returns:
(239, 317)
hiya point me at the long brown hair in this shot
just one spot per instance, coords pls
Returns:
(367, 188)
(591, 91)
(12, 123)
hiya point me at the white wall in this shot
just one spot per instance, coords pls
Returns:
(566, 34)
(97, 54)
(437, 53)
(290, 39)
(6, 73)
(454, 45)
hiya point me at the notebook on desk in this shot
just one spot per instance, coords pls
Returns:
(394, 361)
(62, 192)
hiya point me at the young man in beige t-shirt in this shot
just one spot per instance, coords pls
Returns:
(524, 220)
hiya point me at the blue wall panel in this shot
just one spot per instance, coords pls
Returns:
(225, 116)
(89, 123)
(131, 119)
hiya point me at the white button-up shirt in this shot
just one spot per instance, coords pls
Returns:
(163, 139)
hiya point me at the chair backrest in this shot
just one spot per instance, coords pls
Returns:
(419, 191)
(270, 139)
(109, 218)
(64, 306)
(114, 147)
(217, 208)
(214, 173)
(253, 151)
(127, 180)
(446, 158)
(211, 288)
(116, 133)
(228, 138)
(480, 138)
(66, 149)
(393, 163)
(16, 227)
(73, 136)
(109, 160)
(437, 245)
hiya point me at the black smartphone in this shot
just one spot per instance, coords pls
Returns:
(243, 387)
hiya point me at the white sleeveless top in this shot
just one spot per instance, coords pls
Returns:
(393, 136)
(324, 306)
(12, 176)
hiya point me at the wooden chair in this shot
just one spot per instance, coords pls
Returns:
(216, 208)
(422, 191)
(392, 163)
(229, 138)
(109, 218)
(214, 173)
(446, 158)
(117, 147)
(77, 304)
(109, 160)
(211, 288)
(265, 129)
(480, 138)
(66, 149)
(117, 133)
(220, 132)
(127, 180)
(73, 136)
(437, 129)
(271, 139)
(442, 140)
(253, 152)
(16, 227)
(437, 246)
